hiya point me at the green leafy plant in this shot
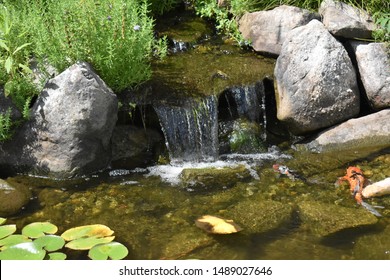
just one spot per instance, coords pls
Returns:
(13, 59)
(5, 125)
(115, 37)
(38, 241)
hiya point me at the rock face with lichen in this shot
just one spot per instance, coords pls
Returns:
(267, 30)
(346, 21)
(70, 127)
(364, 132)
(316, 81)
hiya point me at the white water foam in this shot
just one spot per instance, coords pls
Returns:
(171, 172)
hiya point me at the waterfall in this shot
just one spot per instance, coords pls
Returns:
(190, 130)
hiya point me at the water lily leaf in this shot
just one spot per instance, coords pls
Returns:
(13, 240)
(50, 242)
(87, 231)
(2, 221)
(112, 250)
(23, 251)
(35, 230)
(86, 243)
(7, 230)
(57, 256)
(215, 225)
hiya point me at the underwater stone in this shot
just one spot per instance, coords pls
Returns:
(213, 178)
(260, 216)
(12, 198)
(324, 219)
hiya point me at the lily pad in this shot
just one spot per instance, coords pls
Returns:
(7, 230)
(38, 229)
(86, 243)
(57, 256)
(216, 225)
(87, 231)
(23, 251)
(13, 240)
(50, 242)
(2, 221)
(112, 250)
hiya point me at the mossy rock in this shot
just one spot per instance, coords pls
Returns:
(381, 241)
(213, 178)
(12, 198)
(324, 219)
(259, 216)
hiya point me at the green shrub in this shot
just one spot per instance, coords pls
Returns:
(115, 37)
(5, 125)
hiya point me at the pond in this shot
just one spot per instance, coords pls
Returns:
(153, 210)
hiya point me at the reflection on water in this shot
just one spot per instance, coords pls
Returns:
(152, 210)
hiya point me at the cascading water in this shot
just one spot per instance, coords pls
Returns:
(191, 130)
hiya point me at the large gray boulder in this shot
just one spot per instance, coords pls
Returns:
(368, 131)
(316, 81)
(70, 127)
(346, 21)
(268, 29)
(373, 61)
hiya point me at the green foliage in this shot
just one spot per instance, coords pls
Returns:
(115, 37)
(383, 32)
(159, 7)
(5, 125)
(38, 241)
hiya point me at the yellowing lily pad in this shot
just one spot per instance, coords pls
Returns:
(112, 250)
(50, 242)
(13, 240)
(23, 251)
(2, 221)
(35, 230)
(216, 225)
(87, 231)
(86, 243)
(7, 230)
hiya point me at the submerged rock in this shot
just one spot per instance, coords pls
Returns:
(201, 179)
(267, 30)
(346, 21)
(364, 132)
(12, 198)
(70, 127)
(316, 81)
(260, 216)
(324, 219)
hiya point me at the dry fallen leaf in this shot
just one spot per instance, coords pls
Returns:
(215, 225)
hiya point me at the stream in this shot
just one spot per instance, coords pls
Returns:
(219, 139)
